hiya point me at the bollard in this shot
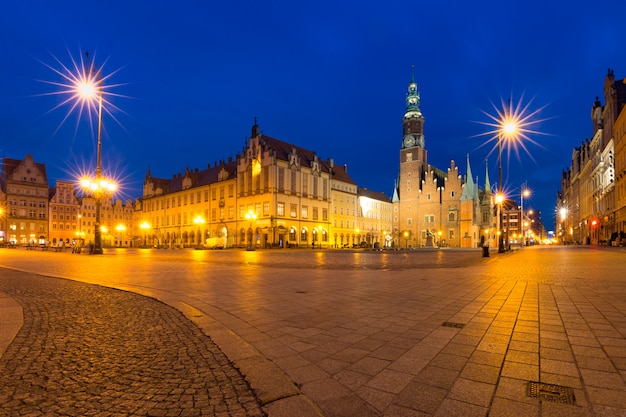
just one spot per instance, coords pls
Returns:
(485, 251)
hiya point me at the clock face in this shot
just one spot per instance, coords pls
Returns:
(409, 141)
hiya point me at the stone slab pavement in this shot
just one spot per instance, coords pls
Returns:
(536, 332)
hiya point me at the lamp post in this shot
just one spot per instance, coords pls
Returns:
(319, 236)
(100, 185)
(525, 193)
(499, 200)
(121, 229)
(199, 220)
(144, 226)
(250, 216)
(508, 128)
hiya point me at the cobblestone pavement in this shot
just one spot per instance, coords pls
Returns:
(86, 350)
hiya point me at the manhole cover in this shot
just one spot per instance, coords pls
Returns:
(453, 324)
(550, 392)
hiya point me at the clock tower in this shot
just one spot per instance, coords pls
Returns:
(412, 173)
(413, 121)
(412, 154)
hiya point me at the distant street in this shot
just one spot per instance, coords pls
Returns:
(537, 332)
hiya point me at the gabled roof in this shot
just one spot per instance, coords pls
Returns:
(307, 157)
(197, 177)
(375, 195)
(9, 165)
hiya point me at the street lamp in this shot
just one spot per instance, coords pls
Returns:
(90, 88)
(499, 200)
(144, 226)
(507, 129)
(525, 193)
(199, 220)
(250, 216)
(319, 236)
(121, 229)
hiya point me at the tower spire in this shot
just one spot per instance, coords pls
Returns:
(413, 120)
(487, 185)
(412, 96)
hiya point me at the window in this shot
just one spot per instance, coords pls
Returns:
(293, 181)
(303, 235)
(429, 218)
(280, 209)
(292, 234)
(315, 213)
(294, 210)
(451, 216)
(266, 208)
(305, 212)
(305, 184)
(409, 221)
(281, 179)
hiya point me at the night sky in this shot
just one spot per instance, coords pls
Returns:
(188, 79)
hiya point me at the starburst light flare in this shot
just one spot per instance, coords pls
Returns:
(515, 124)
(80, 86)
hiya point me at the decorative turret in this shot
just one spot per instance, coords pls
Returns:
(255, 129)
(413, 120)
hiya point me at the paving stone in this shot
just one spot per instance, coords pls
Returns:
(93, 350)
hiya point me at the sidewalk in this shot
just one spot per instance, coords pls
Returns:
(538, 332)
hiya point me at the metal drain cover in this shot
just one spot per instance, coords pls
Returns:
(551, 392)
(453, 324)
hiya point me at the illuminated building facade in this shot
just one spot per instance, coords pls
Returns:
(433, 207)
(64, 210)
(374, 219)
(273, 194)
(24, 201)
(591, 204)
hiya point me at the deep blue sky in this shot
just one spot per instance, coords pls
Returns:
(327, 76)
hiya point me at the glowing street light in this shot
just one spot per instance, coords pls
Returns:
(525, 193)
(121, 230)
(512, 124)
(507, 130)
(250, 216)
(145, 226)
(89, 89)
(199, 220)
